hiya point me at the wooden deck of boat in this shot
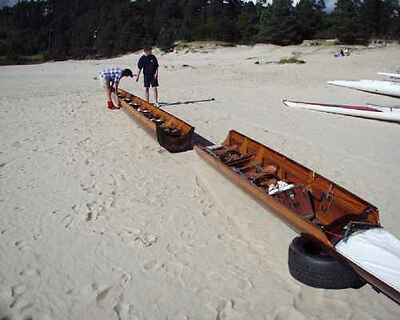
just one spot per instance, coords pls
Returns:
(171, 132)
(333, 206)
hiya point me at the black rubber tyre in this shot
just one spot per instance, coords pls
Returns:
(313, 267)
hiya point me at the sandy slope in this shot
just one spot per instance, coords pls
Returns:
(99, 222)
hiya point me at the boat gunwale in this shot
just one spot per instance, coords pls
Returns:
(266, 200)
(260, 195)
(314, 174)
(148, 125)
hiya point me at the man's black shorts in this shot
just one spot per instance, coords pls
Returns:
(150, 80)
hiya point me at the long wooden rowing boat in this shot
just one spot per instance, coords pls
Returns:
(172, 133)
(320, 208)
(309, 203)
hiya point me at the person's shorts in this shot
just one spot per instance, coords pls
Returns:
(150, 81)
(104, 83)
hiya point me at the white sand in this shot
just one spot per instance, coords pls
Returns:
(99, 222)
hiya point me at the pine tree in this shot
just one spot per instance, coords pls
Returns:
(348, 25)
(309, 14)
(278, 24)
(394, 30)
(378, 15)
(79, 28)
(247, 23)
(192, 18)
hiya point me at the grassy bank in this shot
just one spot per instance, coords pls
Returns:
(19, 60)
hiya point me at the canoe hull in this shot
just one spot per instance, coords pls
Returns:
(386, 88)
(395, 76)
(375, 113)
(333, 206)
(294, 222)
(299, 224)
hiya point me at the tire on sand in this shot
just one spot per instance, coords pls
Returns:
(315, 268)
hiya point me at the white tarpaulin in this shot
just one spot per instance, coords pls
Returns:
(376, 251)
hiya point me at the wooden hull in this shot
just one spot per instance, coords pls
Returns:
(293, 221)
(172, 133)
(334, 207)
(323, 226)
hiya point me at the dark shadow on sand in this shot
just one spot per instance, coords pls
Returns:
(178, 103)
(201, 141)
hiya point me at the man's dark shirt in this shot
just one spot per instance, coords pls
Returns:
(149, 64)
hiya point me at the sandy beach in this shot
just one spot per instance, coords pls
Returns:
(100, 222)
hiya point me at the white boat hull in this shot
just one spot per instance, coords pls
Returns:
(374, 86)
(376, 251)
(395, 76)
(376, 113)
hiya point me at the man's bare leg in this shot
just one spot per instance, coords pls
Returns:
(108, 95)
(147, 94)
(156, 94)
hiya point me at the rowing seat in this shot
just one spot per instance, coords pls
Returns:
(242, 159)
(267, 183)
(297, 199)
(219, 151)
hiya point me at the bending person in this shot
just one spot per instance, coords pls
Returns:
(110, 79)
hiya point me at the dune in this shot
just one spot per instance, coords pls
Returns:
(100, 222)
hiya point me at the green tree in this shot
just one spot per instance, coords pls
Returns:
(248, 23)
(348, 24)
(80, 28)
(278, 24)
(309, 15)
(377, 16)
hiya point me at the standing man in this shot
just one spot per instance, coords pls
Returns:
(110, 79)
(148, 62)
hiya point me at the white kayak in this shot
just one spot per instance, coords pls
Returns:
(370, 112)
(387, 88)
(395, 76)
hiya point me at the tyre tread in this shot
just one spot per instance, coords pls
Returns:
(320, 271)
